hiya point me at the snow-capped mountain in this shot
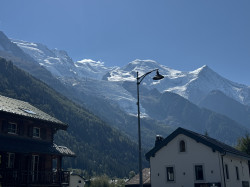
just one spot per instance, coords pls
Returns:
(110, 92)
(193, 85)
(60, 64)
(92, 69)
(56, 61)
(85, 75)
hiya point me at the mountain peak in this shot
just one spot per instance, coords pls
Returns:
(143, 62)
(148, 62)
(140, 65)
(3, 37)
(90, 62)
(202, 70)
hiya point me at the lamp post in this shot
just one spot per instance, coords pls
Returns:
(158, 76)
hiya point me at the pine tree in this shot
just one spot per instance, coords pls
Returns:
(244, 144)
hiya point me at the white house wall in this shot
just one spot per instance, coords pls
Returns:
(76, 181)
(242, 165)
(184, 162)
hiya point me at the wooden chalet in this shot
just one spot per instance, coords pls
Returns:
(28, 155)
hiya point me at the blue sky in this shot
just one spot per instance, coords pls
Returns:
(181, 34)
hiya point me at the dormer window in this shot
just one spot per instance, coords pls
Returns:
(182, 146)
(12, 128)
(36, 132)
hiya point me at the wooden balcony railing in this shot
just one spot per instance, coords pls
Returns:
(24, 178)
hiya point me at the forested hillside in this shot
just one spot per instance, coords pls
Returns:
(100, 149)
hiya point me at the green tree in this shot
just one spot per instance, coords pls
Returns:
(102, 181)
(131, 174)
(243, 144)
(105, 181)
(206, 133)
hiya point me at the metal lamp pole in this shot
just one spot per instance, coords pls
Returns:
(139, 80)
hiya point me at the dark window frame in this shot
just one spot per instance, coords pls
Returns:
(11, 128)
(182, 146)
(227, 172)
(10, 160)
(237, 173)
(170, 174)
(35, 133)
(199, 172)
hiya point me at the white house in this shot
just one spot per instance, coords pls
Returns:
(189, 159)
(76, 180)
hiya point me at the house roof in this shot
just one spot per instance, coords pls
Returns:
(24, 109)
(206, 140)
(145, 178)
(17, 144)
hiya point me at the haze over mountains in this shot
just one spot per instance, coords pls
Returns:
(185, 99)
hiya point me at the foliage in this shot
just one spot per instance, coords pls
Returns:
(206, 133)
(131, 174)
(104, 181)
(100, 149)
(243, 144)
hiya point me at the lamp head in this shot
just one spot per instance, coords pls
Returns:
(158, 76)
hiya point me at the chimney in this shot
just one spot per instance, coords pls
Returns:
(158, 140)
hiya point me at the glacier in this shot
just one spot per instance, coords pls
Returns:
(94, 78)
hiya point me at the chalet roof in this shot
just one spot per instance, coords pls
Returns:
(24, 109)
(206, 140)
(17, 144)
(145, 178)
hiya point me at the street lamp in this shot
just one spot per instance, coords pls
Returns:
(158, 76)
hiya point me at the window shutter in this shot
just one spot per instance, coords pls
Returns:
(43, 133)
(5, 126)
(30, 131)
(21, 129)
(18, 129)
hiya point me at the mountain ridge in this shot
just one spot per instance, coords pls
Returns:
(119, 99)
(187, 84)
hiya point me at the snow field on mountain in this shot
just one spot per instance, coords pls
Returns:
(107, 82)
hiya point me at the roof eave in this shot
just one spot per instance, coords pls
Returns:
(59, 125)
(178, 131)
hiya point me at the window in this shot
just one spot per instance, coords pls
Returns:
(36, 132)
(12, 128)
(182, 146)
(245, 184)
(34, 167)
(237, 173)
(170, 174)
(227, 172)
(199, 172)
(10, 160)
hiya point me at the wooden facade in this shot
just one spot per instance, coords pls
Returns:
(28, 155)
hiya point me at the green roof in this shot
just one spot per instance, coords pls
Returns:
(24, 109)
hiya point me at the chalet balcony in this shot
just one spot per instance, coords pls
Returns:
(29, 178)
